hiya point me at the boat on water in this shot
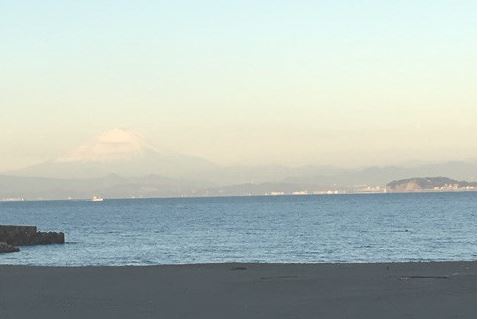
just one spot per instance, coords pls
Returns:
(97, 199)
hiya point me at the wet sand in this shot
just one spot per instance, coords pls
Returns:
(397, 290)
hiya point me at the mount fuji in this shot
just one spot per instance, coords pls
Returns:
(120, 152)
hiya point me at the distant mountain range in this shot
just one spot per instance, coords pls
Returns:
(121, 152)
(120, 163)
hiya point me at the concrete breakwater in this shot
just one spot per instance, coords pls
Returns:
(12, 236)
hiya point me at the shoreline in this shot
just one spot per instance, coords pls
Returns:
(241, 290)
(239, 263)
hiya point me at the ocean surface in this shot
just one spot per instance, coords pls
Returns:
(284, 229)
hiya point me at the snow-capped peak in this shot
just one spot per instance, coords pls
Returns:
(115, 144)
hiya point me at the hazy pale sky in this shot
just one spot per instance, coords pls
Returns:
(349, 83)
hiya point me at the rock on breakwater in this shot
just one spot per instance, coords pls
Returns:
(6, 248)
(12, 235)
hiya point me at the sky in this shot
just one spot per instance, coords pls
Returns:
(345, 83)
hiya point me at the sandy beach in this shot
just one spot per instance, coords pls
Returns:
(396, 290)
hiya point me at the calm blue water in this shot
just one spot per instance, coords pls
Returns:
(302, 229)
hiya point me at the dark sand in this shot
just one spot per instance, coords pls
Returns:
(385, 291)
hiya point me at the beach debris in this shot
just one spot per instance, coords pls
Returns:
(238, 268)
(423, 277)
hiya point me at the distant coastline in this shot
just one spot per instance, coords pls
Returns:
(14, 200)
(152, 174)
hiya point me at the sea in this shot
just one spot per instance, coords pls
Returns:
(264, 229)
